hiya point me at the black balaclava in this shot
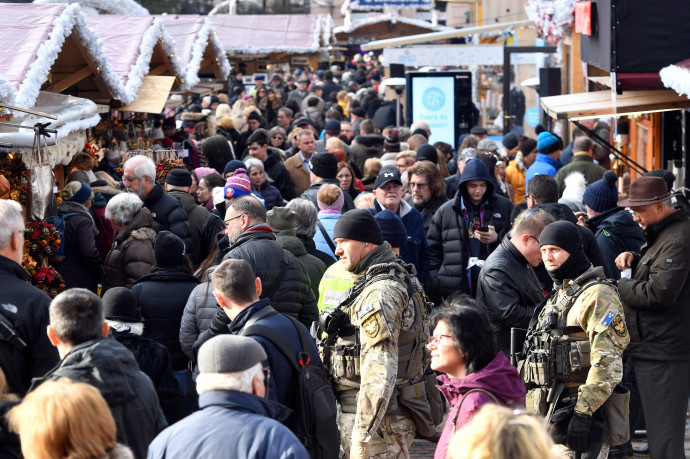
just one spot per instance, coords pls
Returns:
(564, 234)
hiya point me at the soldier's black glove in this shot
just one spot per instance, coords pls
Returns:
(577, 436)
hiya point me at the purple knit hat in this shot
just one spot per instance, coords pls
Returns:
(238, 185)
(200, 172)
(337, 204)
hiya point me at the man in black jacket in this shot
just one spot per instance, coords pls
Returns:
(28, 353)
(257, 143)
(140, 178)
(78, 330)
(283, 277)
(464, 232)
(508, 289)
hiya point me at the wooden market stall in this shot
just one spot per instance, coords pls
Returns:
(382, 28)
(255, 42)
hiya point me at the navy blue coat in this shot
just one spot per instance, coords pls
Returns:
(283, 382)
(616, 232)
(232, 425)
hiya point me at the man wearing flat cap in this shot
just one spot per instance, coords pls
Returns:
(574, 346)
(375, 342)
(656, 296)
(236, 419)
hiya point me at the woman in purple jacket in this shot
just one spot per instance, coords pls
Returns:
(475, 373)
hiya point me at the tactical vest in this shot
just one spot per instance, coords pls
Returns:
(340, 352)
(550, 354)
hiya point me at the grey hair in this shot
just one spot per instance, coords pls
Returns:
(123, 207)
(253, 162)
(288, 112)
(77, 316)
(277, 130)
(241, 381)
(305, 221)
(12, 221)
(143, 167)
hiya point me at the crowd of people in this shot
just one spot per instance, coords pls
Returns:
(499, 274)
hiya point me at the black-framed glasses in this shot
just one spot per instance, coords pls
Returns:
(267, 378)
(534, 238)
(233, 218)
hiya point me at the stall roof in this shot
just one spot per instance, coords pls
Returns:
(608, 103)
(348, 28)
(36, 38)
(279, 33)
(445, 35)
(677, 77)
(107, 6)
(133, 43)
(197, 45)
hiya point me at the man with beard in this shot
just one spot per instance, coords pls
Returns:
(427, 190)
(139, 177)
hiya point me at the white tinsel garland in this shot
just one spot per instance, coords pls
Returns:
(72, 18)
(676, 78)
(328, 25)
(219, 52)
(205, 36)
(316, 44)
(385, 18)
(127, 7)
(7, 91)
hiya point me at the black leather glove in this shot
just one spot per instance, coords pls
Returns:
(577, 436)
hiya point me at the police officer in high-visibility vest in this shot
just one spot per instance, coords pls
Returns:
(573, 351)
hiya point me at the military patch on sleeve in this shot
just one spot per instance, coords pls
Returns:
(618, 325)
(608, 318)
(371, 326)
(365, 310)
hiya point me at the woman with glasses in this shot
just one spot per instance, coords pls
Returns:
(462, 347)
(278, 138)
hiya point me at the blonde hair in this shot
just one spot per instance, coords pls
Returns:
(328, 194)
(223, 110)
(226, 122)
(64, 419)
(415, 141)
(496, 432)
(372, 167)
(408, 155)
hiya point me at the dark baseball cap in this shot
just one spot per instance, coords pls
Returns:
(387, 174)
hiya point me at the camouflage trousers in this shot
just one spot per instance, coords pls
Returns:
(397, 433)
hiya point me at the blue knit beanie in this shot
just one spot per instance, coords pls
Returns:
(233, 165)
(82, 194)
(392, 228)
(602, 195)
(547, 143)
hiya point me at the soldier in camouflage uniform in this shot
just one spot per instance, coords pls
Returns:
(382, 323)
(573, 352)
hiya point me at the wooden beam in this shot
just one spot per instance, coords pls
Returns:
(95, 70)
(26, 110)
(158, 70)
(70, 80)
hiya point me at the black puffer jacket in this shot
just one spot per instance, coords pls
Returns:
(429, 210)
(313, 191)
(508, 290)
(198, 314)
(169, 215)
(209, 235)
(26, 308)
(154, 360)
(161, 297)
(289, 290)
(111, 368)
(448, 238)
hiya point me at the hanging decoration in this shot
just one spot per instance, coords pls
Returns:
(164, 167)
(40, 246)
(554, 18)
(15, 173)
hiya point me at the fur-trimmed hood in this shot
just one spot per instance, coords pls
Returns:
(143, 234)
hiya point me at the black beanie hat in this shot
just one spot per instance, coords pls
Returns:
(324, 165)
(358, 225)
(427, 152)
(602, 195)
(668, 176)
(421, 132)
(169, 250)
(179, 177)
(566, 235)
(510, 140)
(119, 303)
(254, 116)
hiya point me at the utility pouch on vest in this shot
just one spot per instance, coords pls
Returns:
(616, 411)
(535, 400)
(579, 355)
(537, 368)
(348, 400)
(434, 396)
(414, 397)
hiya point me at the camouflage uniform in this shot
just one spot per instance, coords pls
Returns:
(597, 309)
(379, 312)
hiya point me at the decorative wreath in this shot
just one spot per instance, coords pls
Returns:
(43, 277)
(43, 242)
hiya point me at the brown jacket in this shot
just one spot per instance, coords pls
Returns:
(298, 173)
(132, 255)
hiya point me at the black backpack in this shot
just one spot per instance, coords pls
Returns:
(58, 223)
(314, 412)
